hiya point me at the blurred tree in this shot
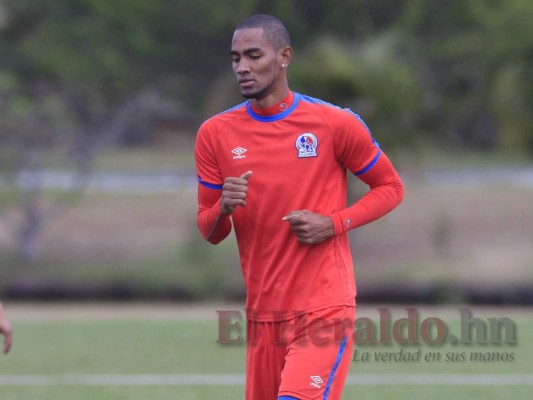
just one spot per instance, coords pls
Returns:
(68, 90)
(362, 76)
(509, 57)
(472, 55)
(41, 132)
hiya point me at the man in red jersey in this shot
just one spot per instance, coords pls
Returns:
(274, 168)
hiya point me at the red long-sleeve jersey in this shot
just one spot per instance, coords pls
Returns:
(299, 151)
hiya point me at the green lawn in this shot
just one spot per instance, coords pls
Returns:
(83, 341)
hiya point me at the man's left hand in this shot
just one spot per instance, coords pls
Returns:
(309, 227)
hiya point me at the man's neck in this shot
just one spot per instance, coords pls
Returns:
(277, 95)
(275, 107)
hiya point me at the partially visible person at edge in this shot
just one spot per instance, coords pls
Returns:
(275, 167)
(5, 330)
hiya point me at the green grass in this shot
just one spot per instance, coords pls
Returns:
(437, 392)
(49, 341)
(212, 393)
(129, 347)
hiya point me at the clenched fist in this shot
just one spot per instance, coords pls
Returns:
(234, 193)
(309, 227)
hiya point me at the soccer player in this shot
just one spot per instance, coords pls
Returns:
(5, 330)
(274, 168)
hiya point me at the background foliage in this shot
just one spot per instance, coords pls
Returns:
(431, 70)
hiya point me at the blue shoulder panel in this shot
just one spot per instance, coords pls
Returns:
(233, 108)
(318, 101)
(376, 158)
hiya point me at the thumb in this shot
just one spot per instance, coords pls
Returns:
(246, 175)
(292, 215)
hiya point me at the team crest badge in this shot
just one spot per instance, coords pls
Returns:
(306, 144)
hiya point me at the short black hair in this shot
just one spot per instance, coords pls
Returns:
(273, 29)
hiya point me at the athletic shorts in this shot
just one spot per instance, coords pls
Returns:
(306, 357)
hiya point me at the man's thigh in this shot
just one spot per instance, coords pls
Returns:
(265, 358)
(319, 355)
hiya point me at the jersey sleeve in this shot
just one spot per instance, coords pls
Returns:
(355, 147)
(358, 152)
(213, 225)
(207, 169)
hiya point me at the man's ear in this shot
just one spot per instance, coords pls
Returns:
(286, 56)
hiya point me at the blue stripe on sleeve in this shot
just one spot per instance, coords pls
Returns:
(209, 185)
(369, 166)
(335, 366)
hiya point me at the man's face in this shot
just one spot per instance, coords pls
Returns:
(255, 63)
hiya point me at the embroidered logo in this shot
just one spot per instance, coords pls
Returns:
(239, 153)
(306, 144)
(316, 381)
(347, 222)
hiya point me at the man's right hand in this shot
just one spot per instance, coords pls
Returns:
(234, 193)
(5, 330)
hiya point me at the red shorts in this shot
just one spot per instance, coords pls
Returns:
(307, 357)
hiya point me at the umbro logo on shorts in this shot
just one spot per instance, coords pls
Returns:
(316, 381)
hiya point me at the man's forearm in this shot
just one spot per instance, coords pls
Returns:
(386, 192)
(213, 225)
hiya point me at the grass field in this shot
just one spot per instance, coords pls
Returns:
(165, 351)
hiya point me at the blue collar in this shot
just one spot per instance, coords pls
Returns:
(275, 117)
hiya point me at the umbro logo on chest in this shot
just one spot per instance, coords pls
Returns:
(239, 153)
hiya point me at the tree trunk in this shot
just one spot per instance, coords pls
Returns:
(27, 246)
